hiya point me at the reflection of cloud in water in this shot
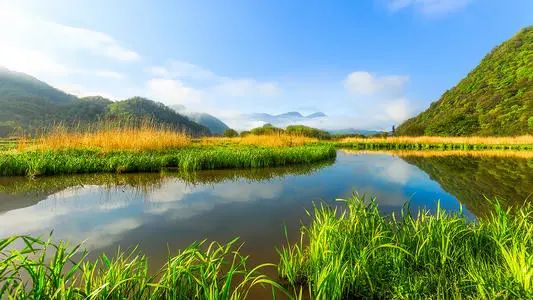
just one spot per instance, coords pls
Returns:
(101, 215)
(107, 234)
(179, 200)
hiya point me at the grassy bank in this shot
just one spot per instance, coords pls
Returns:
(438, 143)
(345, 253)
(70, 161)
(357, 253)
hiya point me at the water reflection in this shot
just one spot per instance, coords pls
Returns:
(170, 210)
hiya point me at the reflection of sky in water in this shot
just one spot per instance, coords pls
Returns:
(176, 213)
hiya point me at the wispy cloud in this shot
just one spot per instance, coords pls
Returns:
(61, 55)
(429, 7)
(365, 83)
(197, 87)
(382, 96)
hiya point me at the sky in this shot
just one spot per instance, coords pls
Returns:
(367, 64)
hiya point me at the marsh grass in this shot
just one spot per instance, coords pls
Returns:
(354, 252)
(53, 162)
(446, 153)
(434, 142)
(45, 270)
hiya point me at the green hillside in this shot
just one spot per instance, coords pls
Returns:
(215, 125)
(29, 105)
(496, 98)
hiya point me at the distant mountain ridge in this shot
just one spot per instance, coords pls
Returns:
(28, 104)
(496, 98)
(288, 117)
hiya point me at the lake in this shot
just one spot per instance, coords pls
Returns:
(167, 211)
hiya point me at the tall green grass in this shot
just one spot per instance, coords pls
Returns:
(345, 253)
(43, 270)
(52, 162)
(354, 252)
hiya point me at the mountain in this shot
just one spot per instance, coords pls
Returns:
(316, 115)
(288, 118)
(142, 108)
(28, 104)
(215, 125)
(291, 114)
(496, 98)
(16, 85)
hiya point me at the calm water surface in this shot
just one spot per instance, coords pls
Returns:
(159, 212)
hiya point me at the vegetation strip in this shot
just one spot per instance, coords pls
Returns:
(357, 253)
(349, 252)
(51, 162)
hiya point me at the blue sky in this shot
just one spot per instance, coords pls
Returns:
(366, 64)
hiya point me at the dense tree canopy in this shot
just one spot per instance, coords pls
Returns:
(496, 98)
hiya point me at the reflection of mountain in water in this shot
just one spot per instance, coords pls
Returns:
(470, 179)
(19, 192)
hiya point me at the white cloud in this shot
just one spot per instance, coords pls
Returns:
(173, 92)
(382, 98)
(30, 61)
(364, 83)
(182, 70)
(397, 110)
(246, 87)
(429, 7)
(25, 31)
(108, 74)
(200, 89)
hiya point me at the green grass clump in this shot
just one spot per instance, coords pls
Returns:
(44, 270)
(357, 253)
(52, 162)
(371, 145)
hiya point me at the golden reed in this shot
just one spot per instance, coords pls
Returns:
(269, 140)
(108, 139)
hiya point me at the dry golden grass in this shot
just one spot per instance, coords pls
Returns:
(107, 139)
(273, 140)
(471, 140)
(445, 153)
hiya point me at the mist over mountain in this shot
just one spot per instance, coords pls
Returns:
(284, 119)
(215, 125)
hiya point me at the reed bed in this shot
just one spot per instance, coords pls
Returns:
(354, 252)
(144, 138)
(443, 143)
(71, 161)
(44, 270)
(267, 140)
(446, 153)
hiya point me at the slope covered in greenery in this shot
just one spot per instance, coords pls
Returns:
(30, 105)
(215, 125)
(496, 98)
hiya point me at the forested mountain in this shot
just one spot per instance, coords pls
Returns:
(29, 105)
(496, 98)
